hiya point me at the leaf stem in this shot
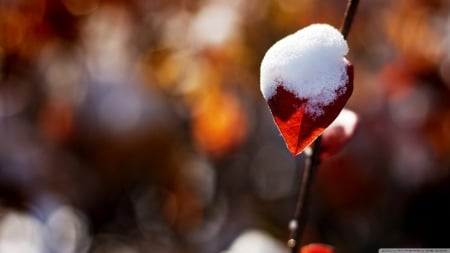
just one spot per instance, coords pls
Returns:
(298, 223)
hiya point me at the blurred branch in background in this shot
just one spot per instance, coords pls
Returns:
(136, 126)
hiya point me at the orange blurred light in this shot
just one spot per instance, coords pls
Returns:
(413, 30)
(220, 124)
(18, 21)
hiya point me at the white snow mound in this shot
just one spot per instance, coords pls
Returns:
(309, 63)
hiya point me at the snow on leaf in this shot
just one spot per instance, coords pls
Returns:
(306, 82)
(338, 133)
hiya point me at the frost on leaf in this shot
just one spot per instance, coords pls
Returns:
(338, 133)
(306, 82)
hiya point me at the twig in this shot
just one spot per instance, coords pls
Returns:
(350, 12)
(298, 223)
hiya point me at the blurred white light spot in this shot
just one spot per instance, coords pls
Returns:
(106, 36)
(255, 241)
(213, 25)
(21, 233)
(293, 225)
(66, 231)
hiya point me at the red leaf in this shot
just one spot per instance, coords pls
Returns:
(338, 133)
(316, 248)
(299, 128)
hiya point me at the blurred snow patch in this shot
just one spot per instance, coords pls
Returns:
(21, 233)
(67, 231)
(256, 241)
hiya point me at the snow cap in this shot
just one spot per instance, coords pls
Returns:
(310, 64)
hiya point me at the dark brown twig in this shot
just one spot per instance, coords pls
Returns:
(350, 12)
(298, 223)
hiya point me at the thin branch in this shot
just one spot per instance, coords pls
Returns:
(350, 12)
(298, 223)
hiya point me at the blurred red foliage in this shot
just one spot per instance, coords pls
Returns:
(316, 248)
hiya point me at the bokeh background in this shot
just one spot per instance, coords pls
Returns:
(138, 126)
